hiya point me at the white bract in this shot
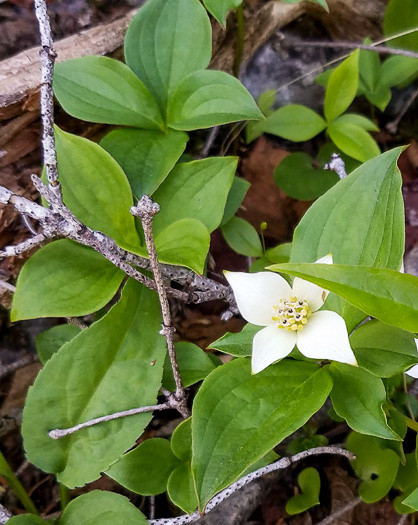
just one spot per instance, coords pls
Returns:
(290, 317)
(413, 372)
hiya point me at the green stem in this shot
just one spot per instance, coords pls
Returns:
(16, 486)
(410, 423)
(239, 50)
(64, 496)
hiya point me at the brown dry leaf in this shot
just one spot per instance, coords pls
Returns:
(265, 202)
(343, 490)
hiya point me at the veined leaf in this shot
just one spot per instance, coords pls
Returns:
(342, 87)
(165, 42)
(387, 295)
(83, 381)
(64, 279)
(101, 89)
(239, 417)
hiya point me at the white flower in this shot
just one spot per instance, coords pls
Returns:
(413, 372)
(290, 317)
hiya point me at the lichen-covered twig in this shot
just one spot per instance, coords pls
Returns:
(146, 209)
(62, 432)
(5, 515)
(277, 465)
(336, 164)
(60, 222)
(5, 370)
(340, 511)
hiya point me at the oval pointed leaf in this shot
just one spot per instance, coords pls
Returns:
(27, 519)
(196, 190)
(83, 381)
(360, 221)
(146, 157)
(95, 188)
(64, 279)
(294, 122)
(185, 243)
(210, 98)
(106, 508)
(166, 42)
(342, 87)
(146, 469)
(358, 396)
(238, 345)
(391, 297)
(242, 237)
(235, 423)
(296, 177)
(219, 8)
(353, 139)
(101, 89)
(383, 350)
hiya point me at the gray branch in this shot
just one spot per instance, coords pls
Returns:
(5, 515)
(146, 209)
(341, 511)
(60, 222)
(277, 465)
(336, 164)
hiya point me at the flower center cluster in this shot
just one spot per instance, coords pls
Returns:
(291, 313)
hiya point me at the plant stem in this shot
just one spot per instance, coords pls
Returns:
(410, 423)
(239, 49)
(16, 486)
(64, 496)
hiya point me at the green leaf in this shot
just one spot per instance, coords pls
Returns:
(373, 235)
(342, 87)
(146, 157)
(235, 197)
(166, 42)
(181, 489)
(235, 423)
(407, 476)
(146, 469)
(358, 396)
(219, 8)
(210, 98)
(383, 350)
(398, 70)
(64, 279)
(379, 98)
(298, 179)
(390, 296)
(358, 120)
(369, 68)
(196, 190)
(294, 122)
(114, 365)
(238, 345)
(377, 467)
(49, 342)
(185, 243)
(95, 188)
(310, 484)
(194, 366)
(412, 500)
(27, 519)
(106, 508)
(242, 237)
(353, 139)
(401, 15)
(101, 89)
(181, 440)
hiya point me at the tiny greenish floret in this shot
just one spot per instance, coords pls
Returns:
(291, 317)
(291, 314)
